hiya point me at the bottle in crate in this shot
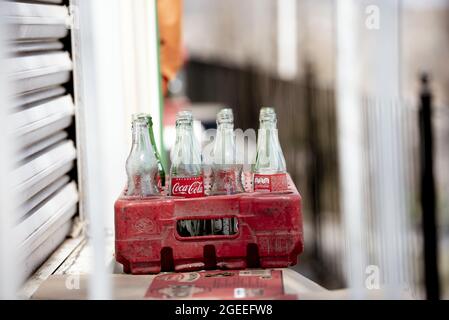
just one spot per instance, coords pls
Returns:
(160, 176)
(141, 165)
(270, 174)
(227, 172)
(186, 175)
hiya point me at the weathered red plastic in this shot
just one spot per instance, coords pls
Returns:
(270, 232)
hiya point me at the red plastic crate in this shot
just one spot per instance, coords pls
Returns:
(270, 232)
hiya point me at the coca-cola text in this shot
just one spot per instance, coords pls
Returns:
(188, 187)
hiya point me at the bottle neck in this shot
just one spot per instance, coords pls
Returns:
(270, 158)
(225, 131)
(184, 132)
(141, 136)
(268, 134)
(186, 154)
(268, 138)
(224, 148)
(268, 124)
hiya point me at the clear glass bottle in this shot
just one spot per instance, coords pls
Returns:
(160, 176)
(226, 171)
(270, 169)
(141, 165)
(186, 175)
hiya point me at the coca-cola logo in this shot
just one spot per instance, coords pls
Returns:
(194, 188)
(188, 187)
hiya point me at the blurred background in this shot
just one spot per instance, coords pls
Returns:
(361, 89)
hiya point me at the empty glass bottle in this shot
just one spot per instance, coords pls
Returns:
(186, 175)
(160, 176)
(226, 171)
(270, 169)
(141, 165)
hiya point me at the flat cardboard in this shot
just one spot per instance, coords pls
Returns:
(202, 285)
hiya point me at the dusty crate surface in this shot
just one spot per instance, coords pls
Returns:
(269, 232)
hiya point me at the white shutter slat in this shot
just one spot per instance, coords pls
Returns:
(44, 169)
(41, 196)
(50, 210)
(37, 95)
(30, 66)
(31, 116)
(33, 72)
(35, 46)
(42, 120)
(47, 246)
(35, 21)
(41, 145)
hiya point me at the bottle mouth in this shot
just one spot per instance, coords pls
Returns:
(140, 122)
(144, 116)
(225, 116)
(184, 117)
(267, 114)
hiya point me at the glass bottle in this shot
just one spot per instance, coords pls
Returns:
(160, 177)
(227, 172)
(270, 169)
(186, 175)
(141, 165)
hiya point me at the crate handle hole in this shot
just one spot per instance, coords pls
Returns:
(227, 227)
(252, 256)
(167, 263)
(210, 257)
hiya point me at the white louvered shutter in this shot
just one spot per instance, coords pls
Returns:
(42, 115)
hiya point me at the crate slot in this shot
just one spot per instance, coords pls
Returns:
(167, 263)
(252, 256)
(210, 257)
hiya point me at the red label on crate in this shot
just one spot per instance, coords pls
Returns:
(244, 284)
(191, 187)
(270, 182)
